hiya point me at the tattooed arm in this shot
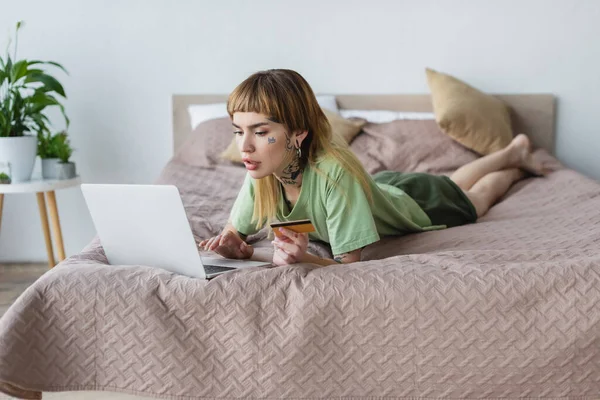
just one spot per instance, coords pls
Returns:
(344, 258)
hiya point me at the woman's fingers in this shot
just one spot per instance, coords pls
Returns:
(229, 252)
(228, 245)
(229, 242)
(278, 259)
(211, 242)
(289, 235)
(302, 239)
(283, 255)
(235, 248)
(224, 244)
(214, 242)
(287, 247)
(231, 245)
(205, 244)
(227, 238)
(299, 239)
(244, 250)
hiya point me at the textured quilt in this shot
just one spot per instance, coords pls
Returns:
(508, 307)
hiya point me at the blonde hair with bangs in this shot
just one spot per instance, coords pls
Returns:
(285, 97)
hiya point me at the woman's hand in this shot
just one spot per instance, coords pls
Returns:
(229, 245)
(290, 248)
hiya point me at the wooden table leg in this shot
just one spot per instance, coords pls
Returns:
(1, 204)
(45, 228)
(51, 197)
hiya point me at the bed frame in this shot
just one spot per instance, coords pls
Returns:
(533, 114)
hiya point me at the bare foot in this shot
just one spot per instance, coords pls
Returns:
(523, 157)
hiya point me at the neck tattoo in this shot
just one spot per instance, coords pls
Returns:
(291, 172)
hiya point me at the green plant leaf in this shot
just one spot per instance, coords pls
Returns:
(34, 71)
(39, 122)
(2, 123)
(18, 70)
(50, 63)
(40, 98)
(8, 65)
(27, 89)
(50, 83)
(54, 146)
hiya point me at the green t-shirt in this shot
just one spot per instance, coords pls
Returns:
(342, 215)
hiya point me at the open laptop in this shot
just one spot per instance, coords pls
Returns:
(147, 225)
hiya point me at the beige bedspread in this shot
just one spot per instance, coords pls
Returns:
(507, 308)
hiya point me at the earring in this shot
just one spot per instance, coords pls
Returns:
(299, 152)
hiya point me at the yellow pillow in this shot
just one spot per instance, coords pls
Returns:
(344, 127)
(474, 119)
(232, 153)
(339, 125)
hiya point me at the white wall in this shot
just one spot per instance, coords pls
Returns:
(126, 58)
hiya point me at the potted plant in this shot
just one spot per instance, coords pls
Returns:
(55, 151)
(4, 178)
(5, 173)
(26, 90)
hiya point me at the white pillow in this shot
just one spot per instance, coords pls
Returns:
(204, 112)
(382, 116)
(328, 102)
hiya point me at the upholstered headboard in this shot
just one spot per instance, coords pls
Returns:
(533, 114)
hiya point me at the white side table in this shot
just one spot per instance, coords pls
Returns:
(41, 187)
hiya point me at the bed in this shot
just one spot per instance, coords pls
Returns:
(503, 308)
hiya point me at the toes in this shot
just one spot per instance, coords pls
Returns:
(534, 168)
(522, 140)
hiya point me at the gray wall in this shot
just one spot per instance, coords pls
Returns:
(126, 58)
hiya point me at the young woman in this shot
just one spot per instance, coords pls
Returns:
(298, 170)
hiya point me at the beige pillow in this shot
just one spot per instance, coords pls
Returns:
(476, 120)
(232, 153)
(339, 125)
(344, 127)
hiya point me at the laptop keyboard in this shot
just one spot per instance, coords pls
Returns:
(212, 269)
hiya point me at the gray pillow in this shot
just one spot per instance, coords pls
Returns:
(206, 143)
(409, 146)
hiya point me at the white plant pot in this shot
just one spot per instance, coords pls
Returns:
(20, 152)
(67, 170)
(53, 168)
(50, 168)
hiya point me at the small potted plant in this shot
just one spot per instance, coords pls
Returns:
(4, 173)
(55, 151)
(4, 178)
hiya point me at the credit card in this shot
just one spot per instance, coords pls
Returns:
(298, 226)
